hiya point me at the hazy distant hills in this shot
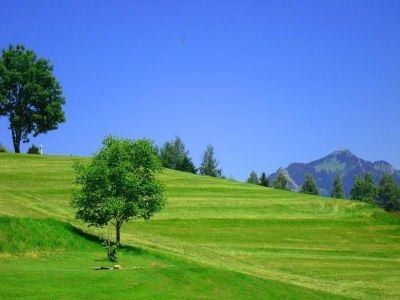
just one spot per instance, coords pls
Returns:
(341, 162)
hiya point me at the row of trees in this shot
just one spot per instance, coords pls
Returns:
(173, 155)
(280, 182)
(386, 194)
(263, 180)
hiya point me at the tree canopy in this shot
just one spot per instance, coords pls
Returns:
(309, 186)
(280, 182)
(364, 189)
(173, 155)
(119, 184)
(30, 96)
(388, 195)
(209, 164)
(264, 181)
(337, 188)
(253, 178)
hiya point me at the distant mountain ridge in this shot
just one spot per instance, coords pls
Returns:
(342, 163)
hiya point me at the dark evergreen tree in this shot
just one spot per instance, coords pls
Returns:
(253, 178)
(280, 182)
(209, 165)
(264, 181)
(309, 186)
(364, 189)
(388, 193)
(187, 165)
(337, 188)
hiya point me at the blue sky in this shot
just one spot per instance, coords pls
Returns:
(266, 82)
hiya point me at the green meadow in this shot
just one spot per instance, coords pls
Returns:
(215, 238)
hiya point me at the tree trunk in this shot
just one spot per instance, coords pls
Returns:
(16, 137)
(118, 232)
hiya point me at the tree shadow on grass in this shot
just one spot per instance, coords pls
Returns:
(94, 239)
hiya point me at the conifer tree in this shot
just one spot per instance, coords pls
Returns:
(388, 193)
(280, 182)
(309, 186)
(253, 179)
(173, 155)
(264, 181)
(364, 189)
(209, 165)
(337, 188)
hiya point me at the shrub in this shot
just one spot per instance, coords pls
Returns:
(3, 148)
(33, 150)
(111, 250)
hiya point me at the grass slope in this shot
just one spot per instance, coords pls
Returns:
(243, 238)
(48, 259)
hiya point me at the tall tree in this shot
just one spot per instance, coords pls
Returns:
(388, 193)
(30, 96)
(253, 178)
(280, 182)
(173, 155)
(118, 184)
(364, 189)
(264, 181)
(309, 186)
(337, 188)
(209, 164)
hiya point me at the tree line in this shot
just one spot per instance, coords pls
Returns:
(174, 155)
(386, 194)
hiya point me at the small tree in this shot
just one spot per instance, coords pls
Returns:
(119, 184)
(280, 182)
(33, 150)
(309, 186)
(264, 181)
(337, 188)
(30, 96)
(253, 179)
(388, 193)
(364, 189)
(209, 165)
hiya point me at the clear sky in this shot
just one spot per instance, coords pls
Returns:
(266, 82)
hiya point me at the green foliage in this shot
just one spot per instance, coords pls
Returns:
(33, 150)
(30, 96)
(209, 165)
(388, 193)
(174, 155)
(253, 179)
(119, 184)
(111, 250)
(309, 186)
(364, 189)
(264, 181)
(187, 165)
(3, 149)
(337, 188)
(280, 182)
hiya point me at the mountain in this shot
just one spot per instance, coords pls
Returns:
(342, 163)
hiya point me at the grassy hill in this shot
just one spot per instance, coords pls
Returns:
(215, 239)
